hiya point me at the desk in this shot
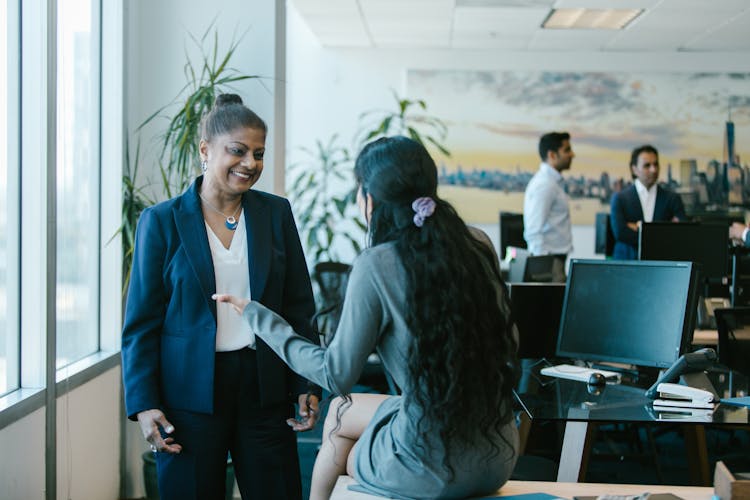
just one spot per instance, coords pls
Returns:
(580, 406)
(566, 490)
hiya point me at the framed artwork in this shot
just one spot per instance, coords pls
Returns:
(700, 123)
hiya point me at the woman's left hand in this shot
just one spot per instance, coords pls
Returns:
(308, 410)
(237, 303)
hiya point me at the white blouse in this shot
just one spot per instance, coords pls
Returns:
(233, 277)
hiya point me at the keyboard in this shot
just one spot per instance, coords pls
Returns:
(580, 373)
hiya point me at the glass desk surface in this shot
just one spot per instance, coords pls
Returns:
(547, 398)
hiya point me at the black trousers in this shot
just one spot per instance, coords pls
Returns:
(263, 447)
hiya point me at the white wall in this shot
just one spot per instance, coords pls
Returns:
(22, 459)
(328, 88)
(88, 439)
(88, 442)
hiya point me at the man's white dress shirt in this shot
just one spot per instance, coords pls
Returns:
(546, 214)
(648, 199)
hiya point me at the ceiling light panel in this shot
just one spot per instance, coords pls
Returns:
(611, 19)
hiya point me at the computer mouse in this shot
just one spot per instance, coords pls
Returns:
(597, 379)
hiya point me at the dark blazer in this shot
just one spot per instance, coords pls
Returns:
(169, 332)
(626, 207)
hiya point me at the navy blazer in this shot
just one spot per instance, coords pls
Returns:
(626, 207)
(169, 332)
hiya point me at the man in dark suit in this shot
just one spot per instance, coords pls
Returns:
(740, 233)
(643, 201)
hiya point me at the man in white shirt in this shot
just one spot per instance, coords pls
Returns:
(546, 212)
(643, 201)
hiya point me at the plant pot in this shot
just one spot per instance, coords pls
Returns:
(152, 484)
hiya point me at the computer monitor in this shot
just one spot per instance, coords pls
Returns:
(511, 232)
(604, 238)
(733, 326)
(635, 312)
(706, 244)
(536, 311)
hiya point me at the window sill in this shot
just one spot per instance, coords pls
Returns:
(18, 404)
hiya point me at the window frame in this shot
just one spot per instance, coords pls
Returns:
(32, 166)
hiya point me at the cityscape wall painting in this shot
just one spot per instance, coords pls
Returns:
(700, 123)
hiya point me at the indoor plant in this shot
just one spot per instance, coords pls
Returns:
(178, 158)
(321, 186)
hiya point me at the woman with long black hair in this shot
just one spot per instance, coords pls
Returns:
(428, 297)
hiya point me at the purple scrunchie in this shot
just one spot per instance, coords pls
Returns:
(423, 208)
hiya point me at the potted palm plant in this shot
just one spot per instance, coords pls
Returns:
(178, 158)
(410, 118)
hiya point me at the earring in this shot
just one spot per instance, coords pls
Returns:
(204, 166)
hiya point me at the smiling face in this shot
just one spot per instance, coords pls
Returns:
(234, 161)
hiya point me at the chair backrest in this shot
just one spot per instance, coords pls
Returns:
(540, 269)
(331, 279)
(511, 232)
(734, 338)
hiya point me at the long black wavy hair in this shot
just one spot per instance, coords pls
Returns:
(462, 359)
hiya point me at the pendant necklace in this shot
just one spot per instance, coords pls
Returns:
(230, 221)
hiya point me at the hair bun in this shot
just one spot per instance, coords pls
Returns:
(227, 99)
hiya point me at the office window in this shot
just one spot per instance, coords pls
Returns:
(78, 228)
(9, 338)
(4, 334)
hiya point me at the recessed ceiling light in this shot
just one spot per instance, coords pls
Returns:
(598, 19)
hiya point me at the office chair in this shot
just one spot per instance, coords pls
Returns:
(540, 269)
(331, 279)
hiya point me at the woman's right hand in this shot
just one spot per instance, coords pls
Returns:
(150, 421)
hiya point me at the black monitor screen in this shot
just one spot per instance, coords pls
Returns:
(640, 313)
(511, 232)
(703, 243)
(536, 311)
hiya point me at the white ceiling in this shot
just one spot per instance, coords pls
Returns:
(664, 25)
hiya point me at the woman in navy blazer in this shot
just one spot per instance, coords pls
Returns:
(198, 384)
